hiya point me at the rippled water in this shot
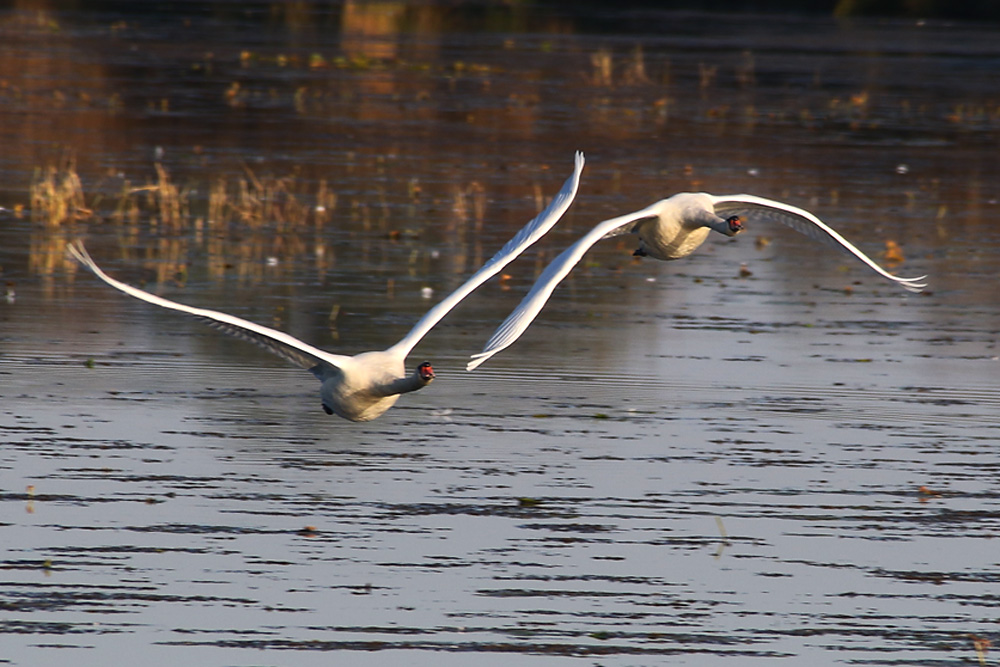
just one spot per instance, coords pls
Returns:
(618, 517)
(678, 463)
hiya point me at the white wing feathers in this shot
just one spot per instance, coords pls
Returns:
(526, 312)
(805, 222)
(530, 233)
(277, 342)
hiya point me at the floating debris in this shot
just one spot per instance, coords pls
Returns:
(982, 646)
(893, 253)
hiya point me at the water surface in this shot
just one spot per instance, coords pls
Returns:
(678, 463)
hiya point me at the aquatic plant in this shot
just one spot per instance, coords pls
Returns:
(57, 195)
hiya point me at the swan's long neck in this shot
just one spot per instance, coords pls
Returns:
(412, 382)
(718, 224)
(692, 211)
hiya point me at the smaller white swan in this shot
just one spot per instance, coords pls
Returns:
(362, 387)
(670, 229)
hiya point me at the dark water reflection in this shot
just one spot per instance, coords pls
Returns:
(677, 462)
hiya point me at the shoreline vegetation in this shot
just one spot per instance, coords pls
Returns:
(245, 221)
(239, 225)
(493, 14)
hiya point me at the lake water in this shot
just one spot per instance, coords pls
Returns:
(679, 463)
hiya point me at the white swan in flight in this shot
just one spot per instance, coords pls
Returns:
(670, 229)
(362, 387)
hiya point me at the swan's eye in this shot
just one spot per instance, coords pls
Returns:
(735, 223)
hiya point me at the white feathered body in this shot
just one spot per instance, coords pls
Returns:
(361, 389)
(678, 230)
(672, 228)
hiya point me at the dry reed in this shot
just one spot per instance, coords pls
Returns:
(248, 202)
(57, 196)
(247, 221)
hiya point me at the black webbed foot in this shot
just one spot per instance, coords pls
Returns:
(639, 252)
(327, 409)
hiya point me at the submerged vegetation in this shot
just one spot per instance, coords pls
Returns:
(249, 216)
(57, 198)
(240, 224)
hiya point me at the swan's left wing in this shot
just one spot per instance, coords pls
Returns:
(805, 222)
(533, 302)
(279, 343)
(530, 233)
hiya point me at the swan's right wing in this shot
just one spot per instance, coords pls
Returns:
(806, 223)
(528, 234)
(526, 312)
(279, 343)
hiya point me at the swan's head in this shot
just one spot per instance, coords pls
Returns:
(425, 372)
(734, 225)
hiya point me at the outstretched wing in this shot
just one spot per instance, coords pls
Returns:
(530, 233)
(805, 222)
(277, 342)
(526, 312)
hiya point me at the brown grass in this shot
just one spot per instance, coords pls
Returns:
(249, 203)
(57, 196)
(246, 220)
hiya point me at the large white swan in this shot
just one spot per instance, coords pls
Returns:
(364, 386)
(670, 229)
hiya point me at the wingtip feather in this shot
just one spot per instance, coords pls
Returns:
(77, 251)
(914, 285)
(476, 361)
